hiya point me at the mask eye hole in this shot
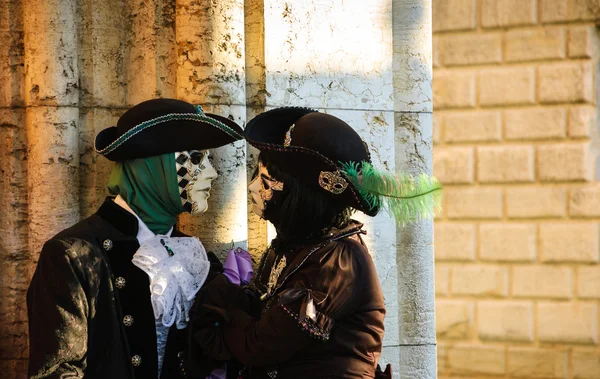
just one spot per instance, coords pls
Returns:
(196, 157)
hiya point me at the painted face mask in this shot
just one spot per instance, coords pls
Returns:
(195, 174)
(261, 190)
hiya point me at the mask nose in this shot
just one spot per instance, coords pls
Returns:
(210, 171)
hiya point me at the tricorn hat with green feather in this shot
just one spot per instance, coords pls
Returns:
(324, 152)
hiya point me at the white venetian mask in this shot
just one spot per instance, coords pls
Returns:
(195, 174)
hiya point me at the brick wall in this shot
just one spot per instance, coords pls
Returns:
(515, 133)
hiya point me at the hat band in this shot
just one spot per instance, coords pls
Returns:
(199, 117)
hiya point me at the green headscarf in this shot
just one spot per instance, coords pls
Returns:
(149, 186)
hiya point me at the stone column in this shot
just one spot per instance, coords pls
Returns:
(102, 72)
(210, 73)
(413, 133)
(15, 266)
(337, 57)
(51, 98)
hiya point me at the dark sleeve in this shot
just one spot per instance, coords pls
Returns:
(302, 314)
(57, 308)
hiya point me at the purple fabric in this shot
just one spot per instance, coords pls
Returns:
(238, 270)
(218, 373)
(238, 267)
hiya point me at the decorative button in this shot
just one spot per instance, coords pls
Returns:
(120, 282)
(107, 245)
(128, 320)
(180, 355)
(136, 360)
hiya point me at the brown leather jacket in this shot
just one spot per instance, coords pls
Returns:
(321, 317)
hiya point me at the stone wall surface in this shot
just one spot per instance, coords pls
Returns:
(70, 68)
(516, 145)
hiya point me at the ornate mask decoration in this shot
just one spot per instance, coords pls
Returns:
(261, 190)
(288, 136)
(194, 176)
(333, 182)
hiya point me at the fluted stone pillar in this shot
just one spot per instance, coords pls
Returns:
(210, 72)
(413, 133)
(337, 57)
(15, 264)
(51, 99)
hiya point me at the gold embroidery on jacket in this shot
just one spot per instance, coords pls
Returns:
(275, 272)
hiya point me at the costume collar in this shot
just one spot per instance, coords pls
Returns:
(303, 252)
(143, 232)
(125, 222)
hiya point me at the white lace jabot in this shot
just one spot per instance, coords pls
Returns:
(177, 268)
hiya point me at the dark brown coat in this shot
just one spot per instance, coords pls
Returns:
(269, 333)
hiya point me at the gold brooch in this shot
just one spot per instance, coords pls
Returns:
(333, 182)
(288, 136)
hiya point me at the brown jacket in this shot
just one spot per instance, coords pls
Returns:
(272, 331)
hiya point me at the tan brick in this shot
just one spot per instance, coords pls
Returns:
(501, 164)
(437, 128)
(482, 203)
(526, 362)
(454, 165)
(437, 51)
(442, 280)
(535, 44)
(536, 202)
(454, 242)
(568, 322)
(569, 82)
(568, 10)
(453, 89)
(564, 162)
(454, 318)
(572, 242)
(466, 49)
(507, 86)
(441, 357)
(507, 242)
(480, 126)
(542, 281)
(585, 201)
(535, 123)
(497, 13)
(582, 41)
(480, 280)
(586, 364)
(505, 320)
(453, 15)
(588, 285)
(582, 120)
(476, 359)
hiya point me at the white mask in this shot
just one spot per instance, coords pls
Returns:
(195, 174)
(261, 190)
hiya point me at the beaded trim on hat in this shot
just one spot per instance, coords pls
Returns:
(199, 116)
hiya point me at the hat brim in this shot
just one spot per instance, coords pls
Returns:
(167, 137)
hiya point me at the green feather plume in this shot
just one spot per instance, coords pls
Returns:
(405, 197)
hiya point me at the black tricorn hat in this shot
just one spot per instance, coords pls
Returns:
(311, 146)
(161, 126)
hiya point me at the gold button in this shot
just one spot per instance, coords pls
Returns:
(136, 360)
(128, 320)
(120, 282)
(107, 245)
